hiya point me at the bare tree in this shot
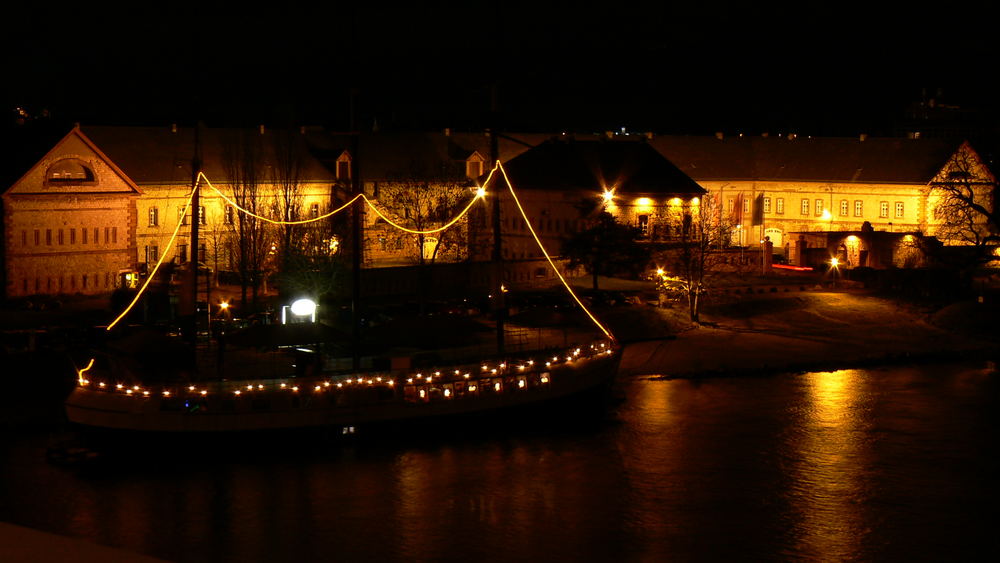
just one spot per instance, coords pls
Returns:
(242, 154)
(704, 229)
(285, 171)
(963, 195)
(423, 205)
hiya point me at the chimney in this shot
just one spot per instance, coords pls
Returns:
(447, 131)
(173, 127)
(719, 135)
(261, 129)
(649, 135)
(862, 137)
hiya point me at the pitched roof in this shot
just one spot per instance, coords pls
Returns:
(573, 164)
(161, 155)
(409, 155)
(822, 159)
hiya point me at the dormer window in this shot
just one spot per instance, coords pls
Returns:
(69, 171)
(474, 166)
(343, 169)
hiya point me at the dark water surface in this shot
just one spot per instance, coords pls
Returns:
(882, 464)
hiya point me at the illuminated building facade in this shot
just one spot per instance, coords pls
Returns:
(69, 223)
(827, 184)
(563, 183)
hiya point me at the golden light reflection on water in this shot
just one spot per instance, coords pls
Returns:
(830, 465)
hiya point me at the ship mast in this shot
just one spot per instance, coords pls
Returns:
(498, 286)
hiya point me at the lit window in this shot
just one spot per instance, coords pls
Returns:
(883, 209)
(899, 209)
(729, 206)
(201, 216)
(805, 206)
(858, 208)
(779, 206)
(154, 216)
(746, 205)
(70, 171)
(845, 207)
(181, 216)
(767, 205)
(314, 211)
(819, 207)
(644, 224)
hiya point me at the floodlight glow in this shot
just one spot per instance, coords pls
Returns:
(303, 307)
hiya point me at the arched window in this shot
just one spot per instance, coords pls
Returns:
(69, 171)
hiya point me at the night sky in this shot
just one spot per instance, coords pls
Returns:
(824, 69)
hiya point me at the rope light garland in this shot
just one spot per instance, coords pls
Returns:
(549, 258)
(166, 251)
(275, 221)
(480, 194)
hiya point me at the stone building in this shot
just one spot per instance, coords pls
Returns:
(98, 210)
(70, 223)
(827, 184)
(564, 182)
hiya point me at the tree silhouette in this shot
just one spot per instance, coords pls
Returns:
(608, 248)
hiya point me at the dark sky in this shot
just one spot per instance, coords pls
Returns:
(817, 69)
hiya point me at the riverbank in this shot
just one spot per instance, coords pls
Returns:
(808, 331)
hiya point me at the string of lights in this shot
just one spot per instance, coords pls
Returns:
(549, 258)
(245, 211)
(163, 255)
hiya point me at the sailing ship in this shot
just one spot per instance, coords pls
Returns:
(113, 394)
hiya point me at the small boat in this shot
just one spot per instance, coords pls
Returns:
(345, 401)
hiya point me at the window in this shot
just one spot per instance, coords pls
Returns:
(182, 252)
(69, 171)
(152, 254)
(60, 237)
(181, 216)
(779, 206)
(202, 252)
(201, 216)
(107, 235)
(38, 236)
(314, 211)
(858, 208)
(473, 168)
(729, 206)
(96, 232)
(48, 237)
(72, 236)
(767, 205)
(154, 216)
(114, 235)
(644, 224)
(343, 169)
(883, 209)
(819, 207)
(899, 209)
(746, 206)
(229, 215)
(24, 238)
(844, 207)
(83, 234)
(805, 206)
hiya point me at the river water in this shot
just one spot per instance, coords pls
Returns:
(873, 464)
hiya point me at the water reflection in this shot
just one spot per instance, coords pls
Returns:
(830, 465)
(856, 464)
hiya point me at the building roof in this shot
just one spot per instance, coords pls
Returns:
(627, 166)
(162, 155)
(820, 159)
(421, 155)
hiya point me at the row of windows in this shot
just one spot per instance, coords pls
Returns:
(548, 225)
(818, 206)
(152, 253)
(70, 282)
(62, 236)
(228, 216)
